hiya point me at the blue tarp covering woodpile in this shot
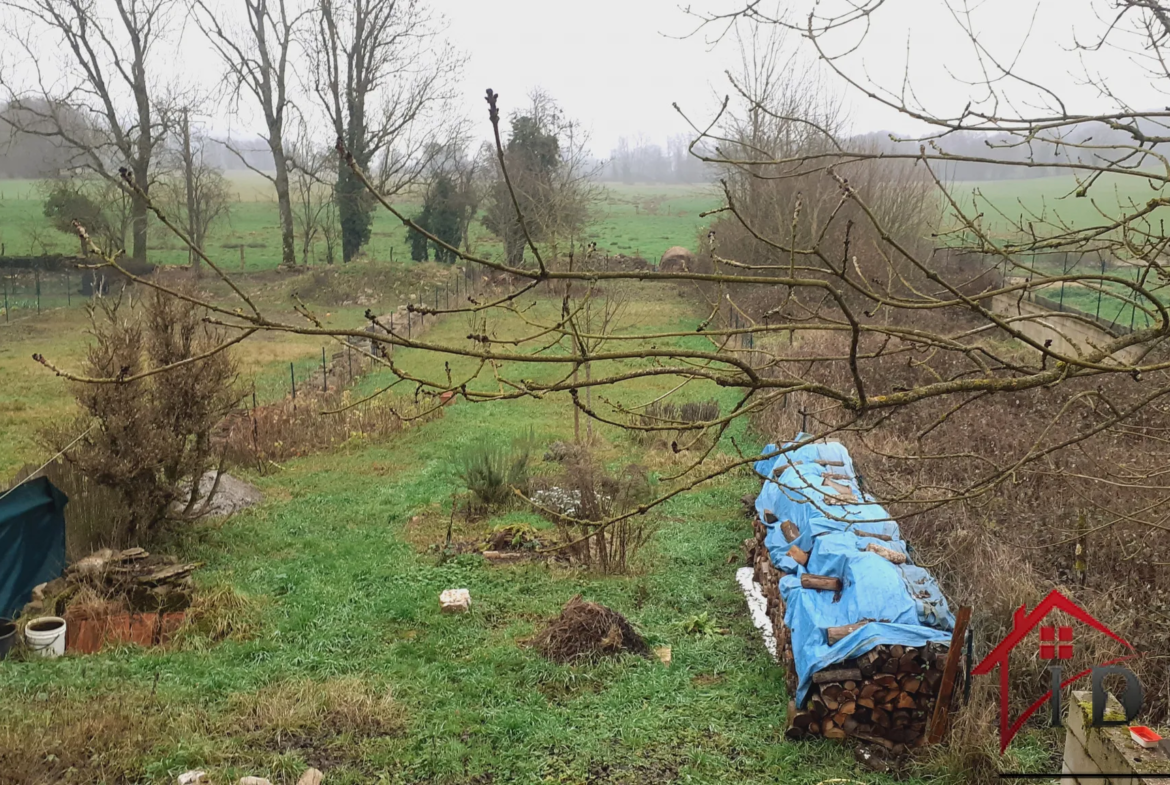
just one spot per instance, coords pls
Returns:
(815, 487)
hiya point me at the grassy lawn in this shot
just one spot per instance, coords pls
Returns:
(349, 665)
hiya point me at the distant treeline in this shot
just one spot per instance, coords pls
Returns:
(32, 156)
(1037, 154)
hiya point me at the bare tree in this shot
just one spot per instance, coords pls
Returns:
(257, 60)
(383, 76)
(312, 171)
(196, 195)
(109, 77)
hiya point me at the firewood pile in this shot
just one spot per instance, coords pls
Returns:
(888, 695)
(885, 696)
(133, 578)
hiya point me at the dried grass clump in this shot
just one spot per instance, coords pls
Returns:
(587, 631)
(671, 420)
(287, 712)
(63, 736)
(296, 427)
(217, 614)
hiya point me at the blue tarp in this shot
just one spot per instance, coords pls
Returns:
(32, 541)
(815, 487)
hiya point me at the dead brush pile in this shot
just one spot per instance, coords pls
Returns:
(295, 427)
(585, 632)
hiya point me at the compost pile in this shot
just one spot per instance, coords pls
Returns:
(587, 631)
(862, 632)
(132, 579)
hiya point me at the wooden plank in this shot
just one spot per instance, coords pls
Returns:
(942, 705)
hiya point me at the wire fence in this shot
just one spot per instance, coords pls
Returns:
(29, 292)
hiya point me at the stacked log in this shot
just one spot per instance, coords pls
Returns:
(886, 696)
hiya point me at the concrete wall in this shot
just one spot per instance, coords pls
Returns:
(1092, 752)
(1069, 335)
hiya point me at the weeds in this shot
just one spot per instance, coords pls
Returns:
(294, 428)
(492, 474)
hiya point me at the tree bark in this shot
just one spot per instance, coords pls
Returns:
(288, 252)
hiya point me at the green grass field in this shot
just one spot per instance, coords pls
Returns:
(630, 219)
(1051, 201)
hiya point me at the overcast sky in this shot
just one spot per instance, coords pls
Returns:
(618, 65)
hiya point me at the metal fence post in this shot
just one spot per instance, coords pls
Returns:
(324, 372)
(292, 375)
(37, 279)
(1100, 286)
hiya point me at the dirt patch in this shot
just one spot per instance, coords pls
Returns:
(587, 631)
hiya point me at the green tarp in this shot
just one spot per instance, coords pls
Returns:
(32, 541)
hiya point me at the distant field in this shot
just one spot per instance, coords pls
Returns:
(631, 219)
(1052, 200)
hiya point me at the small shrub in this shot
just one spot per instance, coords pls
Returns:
(147, 438)
(585, 495)
(493, 473)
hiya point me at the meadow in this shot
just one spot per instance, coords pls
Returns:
(337, 655)
(348, 665)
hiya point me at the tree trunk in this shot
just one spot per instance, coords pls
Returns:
(189, 184)
(138, 222)
(288, 254)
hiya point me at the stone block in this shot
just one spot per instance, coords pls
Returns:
(455, 601)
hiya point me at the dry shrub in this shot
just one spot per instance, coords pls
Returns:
(150, 435)
(587, 631)
(293, 428)
(665, 414)
(585, 494)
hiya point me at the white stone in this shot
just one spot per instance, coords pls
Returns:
(253, 781)
(193, 777)
(455, 601)
(311, 777)
(758, 606)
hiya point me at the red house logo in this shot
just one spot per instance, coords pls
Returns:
(1056, 646)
